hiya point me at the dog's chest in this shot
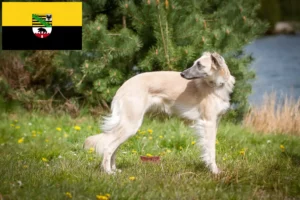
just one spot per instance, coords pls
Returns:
(188, 112)
(221, 106)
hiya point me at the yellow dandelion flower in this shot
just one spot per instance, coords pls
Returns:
(33, 132)
(33, 135)
(58, 128)
(16, 120)
(161, 137)
(150, 131)
(46, 140)
(44, 159)
(12, 125)
(17, 127)
(25, 166)
(132, 178)
(21, 140)
(150, 138)
(282, 148)
(180, 148)
(77, 128)
(39, 133)
(134, 151)
(242, 152)
(68, 194)
(168, 151)
(148, 155)
(66, 135)
(102, 197)
(193, 142)
(224, 158)
(91, 150)
(89, 127)
(217, 142)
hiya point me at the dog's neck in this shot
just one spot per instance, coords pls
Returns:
(222, 92)
(225, 91)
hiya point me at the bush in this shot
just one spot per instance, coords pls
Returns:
(123, 38)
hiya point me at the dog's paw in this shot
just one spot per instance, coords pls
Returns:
(215, 170)
(107, 171)
(110, 172)
(117, 170)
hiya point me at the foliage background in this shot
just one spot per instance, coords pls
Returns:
(123, 38)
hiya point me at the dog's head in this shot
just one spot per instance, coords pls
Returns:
(210, 67)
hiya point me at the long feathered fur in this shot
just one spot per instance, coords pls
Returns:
(107, 127)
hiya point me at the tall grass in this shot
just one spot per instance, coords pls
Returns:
(275, 117)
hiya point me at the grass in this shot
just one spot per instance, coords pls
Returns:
(274, 117)
(49, 162)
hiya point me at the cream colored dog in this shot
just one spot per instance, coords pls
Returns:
(200, 93)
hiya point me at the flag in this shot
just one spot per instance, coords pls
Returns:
(41, 25)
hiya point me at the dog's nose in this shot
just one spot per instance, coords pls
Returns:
(182, 74)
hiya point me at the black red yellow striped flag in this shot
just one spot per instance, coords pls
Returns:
(41, 25)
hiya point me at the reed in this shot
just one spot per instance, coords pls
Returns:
(275, 117)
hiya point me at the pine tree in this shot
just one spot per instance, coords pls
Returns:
(155, 35)
(106, 59)
(182, 30)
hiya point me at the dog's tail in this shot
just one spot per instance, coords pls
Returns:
(109, 126)
(113, 120)
(99, 142)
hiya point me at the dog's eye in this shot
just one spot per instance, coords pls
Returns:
(199, 65)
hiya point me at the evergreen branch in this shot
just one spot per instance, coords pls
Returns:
(79, 83)
(163, 39)
(168, 57)
(136, 19)
(210, 20)
(124, 21)
(62, 94)
(186, 36)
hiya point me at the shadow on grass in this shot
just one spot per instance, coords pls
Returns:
(295, 158)
(197, 166)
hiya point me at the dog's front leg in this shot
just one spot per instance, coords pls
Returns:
(207, 131)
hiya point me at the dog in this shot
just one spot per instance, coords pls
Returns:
(200, 93)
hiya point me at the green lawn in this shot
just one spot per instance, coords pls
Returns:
(38, 160)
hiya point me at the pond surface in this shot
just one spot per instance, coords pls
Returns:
(277, 66)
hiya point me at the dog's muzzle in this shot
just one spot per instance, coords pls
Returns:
(182, 75)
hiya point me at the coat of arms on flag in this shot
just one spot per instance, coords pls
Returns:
(42, 25)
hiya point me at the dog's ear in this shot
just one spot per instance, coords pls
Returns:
(218, 60)
(206, 53)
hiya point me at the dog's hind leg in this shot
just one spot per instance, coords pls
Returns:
(113, 162)
(130, 120)
(109, 154)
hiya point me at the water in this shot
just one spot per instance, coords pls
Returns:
(277, 67)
